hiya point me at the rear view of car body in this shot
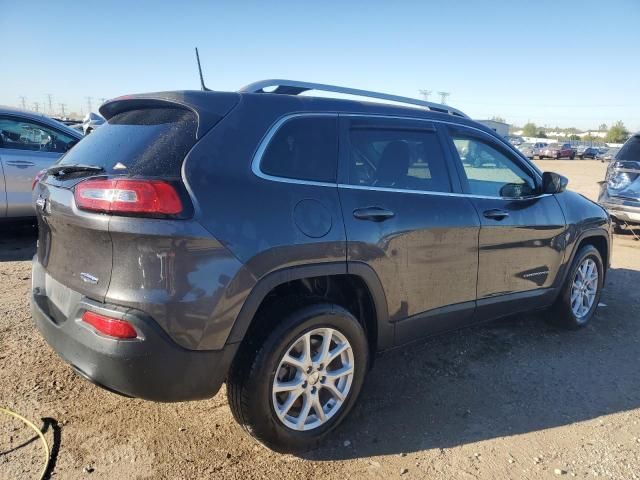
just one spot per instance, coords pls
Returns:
(620, 191)
(125, 278)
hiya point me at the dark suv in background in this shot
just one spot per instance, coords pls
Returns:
(279, 241)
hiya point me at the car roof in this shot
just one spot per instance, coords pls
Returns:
(201, 102)
(39, 117)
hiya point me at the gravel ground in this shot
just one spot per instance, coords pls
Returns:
(513, 399)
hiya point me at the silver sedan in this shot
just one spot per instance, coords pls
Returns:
(29, 142)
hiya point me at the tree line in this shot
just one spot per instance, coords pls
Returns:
(617, 133)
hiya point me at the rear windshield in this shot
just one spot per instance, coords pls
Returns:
(149, 141)
(630, 150)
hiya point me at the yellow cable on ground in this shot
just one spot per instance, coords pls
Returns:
(37, 430)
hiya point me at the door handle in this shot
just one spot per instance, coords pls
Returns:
(375, 214)
(20, 163)
(495, 214)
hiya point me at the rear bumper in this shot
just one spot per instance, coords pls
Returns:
(152, 366)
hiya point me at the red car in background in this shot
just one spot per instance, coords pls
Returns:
(558, 151)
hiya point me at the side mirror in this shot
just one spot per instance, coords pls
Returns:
(553, 183)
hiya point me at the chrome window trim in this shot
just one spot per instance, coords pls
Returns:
(266, 139)
(440, 194)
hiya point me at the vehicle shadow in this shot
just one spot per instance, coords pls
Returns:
(510, 377)
(17, 241)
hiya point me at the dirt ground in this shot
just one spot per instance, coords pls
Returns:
(514, 399)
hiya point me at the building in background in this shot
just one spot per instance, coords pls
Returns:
(500, 128)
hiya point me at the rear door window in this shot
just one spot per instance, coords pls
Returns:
(399, 156)
(145, 141)
(304, 148)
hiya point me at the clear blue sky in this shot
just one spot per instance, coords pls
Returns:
(566, 63)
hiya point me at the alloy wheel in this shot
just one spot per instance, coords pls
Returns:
(313, 379)
(584, 288)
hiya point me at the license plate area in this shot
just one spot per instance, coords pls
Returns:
(61, 297)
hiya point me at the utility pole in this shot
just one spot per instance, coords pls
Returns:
(425, 94)
(23, 100)
(443, 97)
(49, 97)
(88, 104)
(62, 105)
(36, 106)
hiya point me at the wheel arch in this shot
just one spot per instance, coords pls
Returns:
(599, 238)
(381, 336)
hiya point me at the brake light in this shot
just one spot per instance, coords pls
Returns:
(37, 178)
(111, 327)
(128, 196)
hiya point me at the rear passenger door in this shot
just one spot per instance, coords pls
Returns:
(521, 237)
(401, 219)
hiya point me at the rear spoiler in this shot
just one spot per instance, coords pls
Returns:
(209, 107)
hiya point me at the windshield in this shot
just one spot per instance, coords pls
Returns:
(630, 150)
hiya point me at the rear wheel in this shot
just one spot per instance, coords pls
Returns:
(580, 294)
(295, 386)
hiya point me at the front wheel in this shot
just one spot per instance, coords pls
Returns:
(295, 386)
(580, 294)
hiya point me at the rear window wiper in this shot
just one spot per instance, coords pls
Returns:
(60, 170)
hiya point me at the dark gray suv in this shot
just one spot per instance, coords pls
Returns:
(278, 241)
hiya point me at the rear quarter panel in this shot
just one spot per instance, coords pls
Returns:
(255, 219)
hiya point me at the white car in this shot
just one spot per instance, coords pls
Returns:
(29, 142)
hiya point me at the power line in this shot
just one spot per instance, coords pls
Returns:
(443, 97)
(425, 94)
(36, 106)
(88, 104)
(49, 97)
(62, 105)
(23, 100)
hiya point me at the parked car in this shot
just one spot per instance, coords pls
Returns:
(557, 151)
(588, 152)
(280, 241)
(29, 142)
(608, 154)
(515, 140)
(90, 122)
(620, 191)
(531, 150)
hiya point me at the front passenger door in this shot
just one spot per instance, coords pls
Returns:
(26, 147)
(521, 232)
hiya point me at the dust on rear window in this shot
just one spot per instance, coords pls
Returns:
(147, 141)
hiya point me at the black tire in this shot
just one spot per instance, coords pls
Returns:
(250, 380)
(572, 157)
(562, 313)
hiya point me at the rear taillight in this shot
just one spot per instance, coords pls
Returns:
(128, 196)
(37, 178)
(112, 327)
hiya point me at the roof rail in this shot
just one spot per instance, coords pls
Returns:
(294, 87)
